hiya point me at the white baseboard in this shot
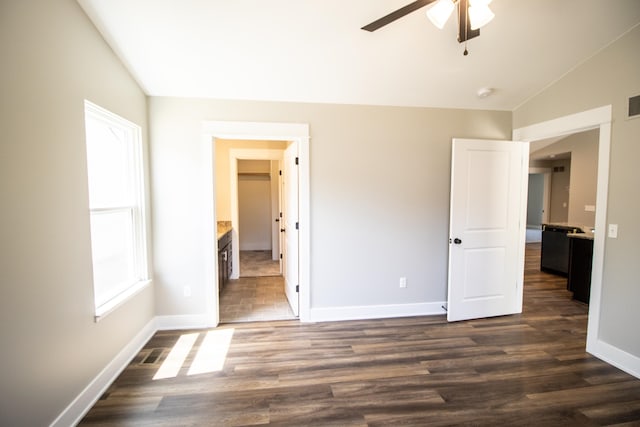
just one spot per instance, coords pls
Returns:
(178, 322)
(616, 357)
(92, 392)
(375, 311)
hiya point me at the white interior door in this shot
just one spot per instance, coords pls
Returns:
(487, 227)
(290, 225)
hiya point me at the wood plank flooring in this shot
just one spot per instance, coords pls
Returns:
(529, 369)
(258, 264)
(250, 299)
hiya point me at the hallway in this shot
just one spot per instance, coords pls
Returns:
(258, 295)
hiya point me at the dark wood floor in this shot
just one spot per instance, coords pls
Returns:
(528, 369)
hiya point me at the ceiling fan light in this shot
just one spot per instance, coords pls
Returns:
(439, 13)
(479, 2)
(479, 16)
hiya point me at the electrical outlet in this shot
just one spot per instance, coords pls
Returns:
(403, 282)
(186, 291)
(613, 231)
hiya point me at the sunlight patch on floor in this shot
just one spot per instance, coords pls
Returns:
(210, 355)
(212, 352)
(174, 361)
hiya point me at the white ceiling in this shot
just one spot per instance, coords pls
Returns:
(315, 51)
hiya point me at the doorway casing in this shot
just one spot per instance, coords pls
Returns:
(296, 133)
(598, 118)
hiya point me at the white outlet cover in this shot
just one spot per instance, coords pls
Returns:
(613, 231)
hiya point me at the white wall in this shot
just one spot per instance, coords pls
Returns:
(608, 78)
(379, 196)
(52, 59)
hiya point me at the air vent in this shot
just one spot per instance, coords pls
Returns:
(634, 106)
(153, 356)
(558, 169)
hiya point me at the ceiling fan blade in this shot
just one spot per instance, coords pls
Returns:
(379, 23)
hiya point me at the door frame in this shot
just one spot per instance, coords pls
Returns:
(236, 154)
(597, 118)
(297, 133)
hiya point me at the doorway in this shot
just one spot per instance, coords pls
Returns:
(295, 134)
(256, 289)
(538, 198)
(258, 217)
(543, 133)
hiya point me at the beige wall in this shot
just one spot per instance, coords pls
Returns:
(379, 179)
(53, 59)
(223, 186)
(560, 191)
(578, 187)
(608, 78)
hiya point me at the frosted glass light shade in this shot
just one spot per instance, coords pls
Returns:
(479, 2)
(439, 13)
(479, 16)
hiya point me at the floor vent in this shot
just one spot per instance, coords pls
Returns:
(153, 356)
(634, 106)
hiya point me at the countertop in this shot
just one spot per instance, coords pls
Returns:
(585, 235)
(588, 229)
(223, 228)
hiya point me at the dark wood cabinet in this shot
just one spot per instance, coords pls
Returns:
(554, 258)
(225, 266)
(580, 257)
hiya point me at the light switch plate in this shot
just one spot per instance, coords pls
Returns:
(613, 231)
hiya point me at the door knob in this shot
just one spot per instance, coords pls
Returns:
(282, 230)
(457, 241)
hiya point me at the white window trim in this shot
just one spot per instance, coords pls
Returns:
(140, 238)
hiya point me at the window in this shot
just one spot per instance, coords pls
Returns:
(116, 206)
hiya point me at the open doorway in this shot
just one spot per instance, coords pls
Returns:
(259, 217)
(249, 174)
(546, 133)
(296, 134)
(566, 220)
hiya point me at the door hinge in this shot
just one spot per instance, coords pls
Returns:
(280, 172)
(280, 214)
(297, 160)
(280, 256)
(297, 226)
(297, 288)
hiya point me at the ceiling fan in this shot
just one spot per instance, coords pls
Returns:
(472, 14)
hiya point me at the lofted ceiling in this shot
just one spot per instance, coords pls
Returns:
(315, 51)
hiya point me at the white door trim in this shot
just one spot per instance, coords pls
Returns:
(264, 131)
(598, 118)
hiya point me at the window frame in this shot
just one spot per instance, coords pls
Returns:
(137, 208)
